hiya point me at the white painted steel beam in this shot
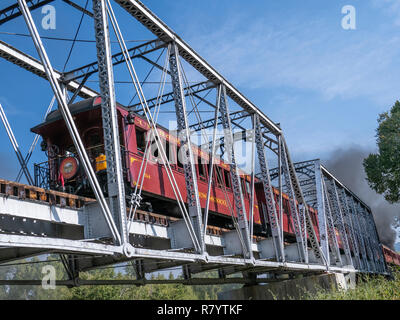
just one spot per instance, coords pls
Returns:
(63, 107)
(45, 212)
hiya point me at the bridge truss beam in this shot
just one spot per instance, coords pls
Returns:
(115, 183)
(62, 102)
(80, 223)
(87, 231)
(13, 11)
(141, 13)
(118, 58)
(352, 219)
(185, 138)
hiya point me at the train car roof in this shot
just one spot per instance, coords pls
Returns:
(75, 108)
(94, 104)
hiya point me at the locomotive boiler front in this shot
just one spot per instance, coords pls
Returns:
(69, 167)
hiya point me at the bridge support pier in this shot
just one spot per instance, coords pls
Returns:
(296, 288)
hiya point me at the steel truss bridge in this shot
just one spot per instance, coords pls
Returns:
(89, 233)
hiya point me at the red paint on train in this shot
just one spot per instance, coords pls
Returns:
(133, 128)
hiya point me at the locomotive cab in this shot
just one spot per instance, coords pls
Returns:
(62, 171)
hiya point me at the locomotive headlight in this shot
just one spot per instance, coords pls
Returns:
(69, 167)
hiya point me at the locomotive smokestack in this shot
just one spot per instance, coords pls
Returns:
(347, 165)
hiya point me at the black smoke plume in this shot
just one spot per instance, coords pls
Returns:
(347, 166)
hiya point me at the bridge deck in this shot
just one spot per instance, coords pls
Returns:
(36, 221)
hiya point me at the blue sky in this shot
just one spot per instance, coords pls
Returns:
(325, 85)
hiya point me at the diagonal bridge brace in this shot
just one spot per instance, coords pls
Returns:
(63, 107)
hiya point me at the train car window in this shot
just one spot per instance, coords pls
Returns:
(94, 142)
(200, 165)
(171, 153)
(227, 177)
(248, 189)
(243, 186)
(208, 166)
(178, 158)
(140, 139)
(154, 149)
(285, 206)
(219, 176)
(167, 151)
(312, 217)
(315, 218)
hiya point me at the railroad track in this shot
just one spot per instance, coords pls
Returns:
(27, 192)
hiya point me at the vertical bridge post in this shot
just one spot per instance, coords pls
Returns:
(322, 216)
(373, 240)
(331, 225)
(244, 232)
(268, 192)
(301, 242)
(115, 182)
(356, 224)
(69, 121)
(340, 221)
(186, 146)
(378, 245)
(367, 236)
(350, 229)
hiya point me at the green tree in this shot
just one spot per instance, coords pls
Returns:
(30, 269)
(97, 292)
(383, 168)
(210, 292)
(128, 292)
(368, 288)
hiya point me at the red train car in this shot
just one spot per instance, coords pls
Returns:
(62, 170)
(391, 257)
(288, 227)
